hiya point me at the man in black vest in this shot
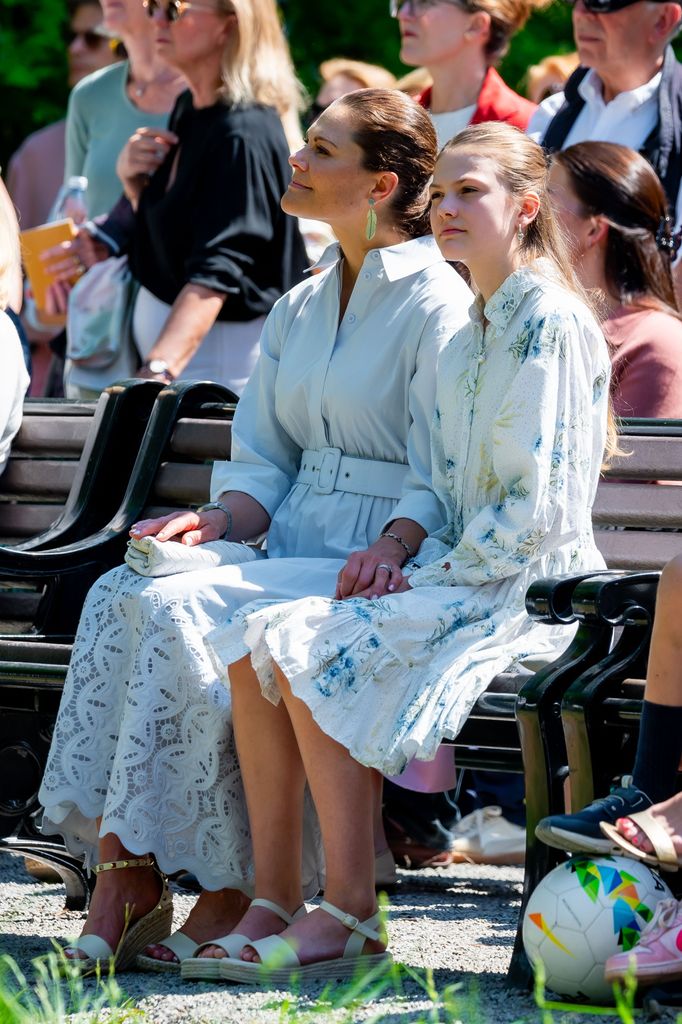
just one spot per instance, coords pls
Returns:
(628, 88)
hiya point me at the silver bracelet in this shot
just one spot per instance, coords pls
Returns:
(222, 508)
(399, 540)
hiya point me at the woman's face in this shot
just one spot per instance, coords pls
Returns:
(196, 37)
(569, 210)
(473, 215)
(124, 17)
(329, 182)
(435, 35)
(88, 50)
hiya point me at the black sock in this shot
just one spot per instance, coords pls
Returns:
(658, 750)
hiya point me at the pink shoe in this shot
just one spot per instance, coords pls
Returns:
(658, 954)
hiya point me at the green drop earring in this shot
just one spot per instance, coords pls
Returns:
(371, 229)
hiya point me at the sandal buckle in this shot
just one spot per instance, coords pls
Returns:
(350, 922)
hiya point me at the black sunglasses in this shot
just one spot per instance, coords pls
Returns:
(92, 40)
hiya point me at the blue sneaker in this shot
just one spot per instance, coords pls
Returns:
(580, 833)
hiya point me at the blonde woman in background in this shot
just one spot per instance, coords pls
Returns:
(14, 379)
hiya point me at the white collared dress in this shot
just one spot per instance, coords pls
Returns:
(517, 440)
(143, 736)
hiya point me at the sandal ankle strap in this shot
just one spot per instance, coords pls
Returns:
(366, 928)
(136, 862)
(276, 909)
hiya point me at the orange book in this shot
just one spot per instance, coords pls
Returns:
(36, 241)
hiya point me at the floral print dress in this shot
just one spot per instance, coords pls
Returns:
(517, 445)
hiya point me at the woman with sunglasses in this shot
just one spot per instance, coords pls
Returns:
(211, 248)
(459, 42)
(107, 107)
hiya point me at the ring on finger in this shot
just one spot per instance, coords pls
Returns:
(388, 568)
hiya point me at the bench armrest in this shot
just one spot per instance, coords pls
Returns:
(616, 599)
(549, 600)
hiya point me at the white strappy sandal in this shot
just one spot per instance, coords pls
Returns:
(206, 968)
(279, 965)
(180, 944)
(147, 930)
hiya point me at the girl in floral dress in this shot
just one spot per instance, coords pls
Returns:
(324, 690)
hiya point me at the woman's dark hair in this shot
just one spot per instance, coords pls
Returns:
(396, 134)
(614, 182)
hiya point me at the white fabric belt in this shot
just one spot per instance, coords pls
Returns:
(328, 469)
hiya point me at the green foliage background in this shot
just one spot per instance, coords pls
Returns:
(33, 71)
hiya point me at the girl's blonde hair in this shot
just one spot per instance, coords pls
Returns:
(257, 65)
(10, 258)
(523, 167)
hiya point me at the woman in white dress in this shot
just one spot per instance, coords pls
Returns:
(142, 760)
(332, 689)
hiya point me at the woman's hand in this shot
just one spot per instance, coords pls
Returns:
(185, 527)
(370, 573)
(142, 155)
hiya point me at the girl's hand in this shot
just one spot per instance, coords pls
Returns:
(370, 573)
(185, 527)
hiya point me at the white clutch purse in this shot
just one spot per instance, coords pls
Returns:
(150, 557)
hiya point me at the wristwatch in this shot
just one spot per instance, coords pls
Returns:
(222, 508)
(160, 367)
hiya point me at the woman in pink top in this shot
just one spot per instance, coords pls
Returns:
(614, 209)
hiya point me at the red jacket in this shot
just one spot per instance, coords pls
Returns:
(496, 102)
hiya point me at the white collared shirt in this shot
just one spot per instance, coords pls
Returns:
(364, 383)
(629, 118)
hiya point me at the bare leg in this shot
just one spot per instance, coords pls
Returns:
(664, 687)
(380, 840)
(120, 897)
(343, 791)
(274, 783)
(664, 671)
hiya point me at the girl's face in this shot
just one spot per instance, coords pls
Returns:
(474, 217)
(569, 211)
(329, 182)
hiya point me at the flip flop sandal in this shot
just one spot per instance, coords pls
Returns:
(280, 965)
(178, 943)
(207, 968)
(147, 930)
(664, 856)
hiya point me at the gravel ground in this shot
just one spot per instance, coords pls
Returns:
(460, 923)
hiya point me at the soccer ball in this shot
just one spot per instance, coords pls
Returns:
(582, 913)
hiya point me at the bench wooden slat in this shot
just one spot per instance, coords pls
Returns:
(47, 478)
(42, 436)
(636, 549)
(182, 484)
(26, 519)
(647, 458)
(202, 439)
(638, 504)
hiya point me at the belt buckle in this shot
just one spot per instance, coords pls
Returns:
(330, 460)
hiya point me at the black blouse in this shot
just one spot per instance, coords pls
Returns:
(220, 223)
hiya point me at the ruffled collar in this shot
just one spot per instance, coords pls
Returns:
(502, 304)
